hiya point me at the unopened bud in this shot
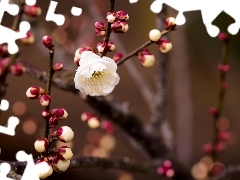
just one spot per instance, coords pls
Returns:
(47, 41)
(64, 134)
(223, 37)
(111, 16)
(147, 60)
(223, 67)
(207, 148)
(165, 45)
(122, 16)
(61, 166)
(17, 69)
(120, 27)
(65, 153)
(154, 35)
(76, 61)
(45, 100)
(57, 66)
(29, 39)
(60, 113)
(101, 46)
(86, 116)
(44, 169)
(46, 114)
(53, 122)
(32, 11)
(79, 51)
(170, 23)
(117, 57)
(111, 46)
(41, 144)
(33, 92)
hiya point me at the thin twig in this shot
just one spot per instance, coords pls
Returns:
(221, 95)
(108, 30)
(135, 52)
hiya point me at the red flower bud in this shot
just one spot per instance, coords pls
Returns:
(57, 66)
(47, 41)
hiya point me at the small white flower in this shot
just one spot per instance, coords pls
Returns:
(96, 76)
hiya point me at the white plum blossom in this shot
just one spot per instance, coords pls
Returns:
(96, 76)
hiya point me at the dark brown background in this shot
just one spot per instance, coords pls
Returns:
(196, 67)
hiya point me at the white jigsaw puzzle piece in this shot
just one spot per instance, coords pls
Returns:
(10, 129)
(210, 9)
(7, 35)
(59, 19)
(4, 170)
(30, 171)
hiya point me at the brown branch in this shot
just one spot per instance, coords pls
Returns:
(108, 30)
(158, 111)
(78, 162)
(221, 95)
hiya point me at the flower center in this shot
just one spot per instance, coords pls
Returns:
(99, 80)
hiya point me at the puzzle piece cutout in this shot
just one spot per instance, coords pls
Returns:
(30, 171)
(8, 35)
(10, 129)
(209, 10)
(59, 19)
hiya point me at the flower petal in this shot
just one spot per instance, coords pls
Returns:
(87, 56)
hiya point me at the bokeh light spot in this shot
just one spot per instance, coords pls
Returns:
(19, 108)
(4, 105)
(29, 127)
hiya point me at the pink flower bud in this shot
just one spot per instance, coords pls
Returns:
(213, 111)
(53, 122)
(76, 61)
(117, 57)
(86, 116)
(33, 92)
(207, 148)
(111, 16)
(223, 67)
(46, 114)
(29, 39)
(45, 100)
(32, 11)
(60, 165)
(154, 35)
(93, 122)
(223, 37)
(64, 134)
(101, 46)
(100, 26)
(47, 41)
(60, 113)
(164, 45)
(121, 16)
(65, 153)
(43, 168)
(57, 66)
(17, 69)
(170, 23)
(119, 27)
(147, 60)
(79, 51)
(111, 46)
(41, 144)
(223, 135)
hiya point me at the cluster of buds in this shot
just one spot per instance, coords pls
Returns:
(147, 59)
(170, 24)
(16, 69)
(92, 120)
(101, 46)
(32, 11)
(118, 21)
(78, 53)
(56, 159)
(55, 115)
(166, 169)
